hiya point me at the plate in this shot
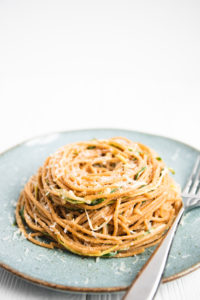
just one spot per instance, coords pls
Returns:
(66, 271)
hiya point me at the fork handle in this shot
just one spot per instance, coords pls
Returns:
(146, 283)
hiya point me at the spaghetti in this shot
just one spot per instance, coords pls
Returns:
(110, 197)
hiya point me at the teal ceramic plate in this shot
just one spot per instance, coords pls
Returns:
(66, 271)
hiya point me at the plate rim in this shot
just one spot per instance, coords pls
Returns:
(73, 289)
(66, 288)
(39, 136)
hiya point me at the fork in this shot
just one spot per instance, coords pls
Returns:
(146, 283)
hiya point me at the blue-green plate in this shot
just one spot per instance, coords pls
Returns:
(66, 271)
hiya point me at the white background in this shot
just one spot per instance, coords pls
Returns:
(81, 64)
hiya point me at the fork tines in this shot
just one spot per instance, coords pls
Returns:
(192, 185)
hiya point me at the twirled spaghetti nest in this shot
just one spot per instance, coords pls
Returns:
(110, 197)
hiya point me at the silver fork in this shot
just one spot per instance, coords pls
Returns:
(146, 283)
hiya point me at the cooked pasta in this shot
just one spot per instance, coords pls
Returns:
(109, 197)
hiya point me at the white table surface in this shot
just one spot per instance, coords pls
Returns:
(83, 64)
